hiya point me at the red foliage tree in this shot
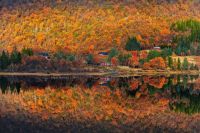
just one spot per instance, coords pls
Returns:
(114, 61)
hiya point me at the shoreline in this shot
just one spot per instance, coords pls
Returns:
(113, 73)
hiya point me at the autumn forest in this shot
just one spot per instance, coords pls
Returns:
(99, 66)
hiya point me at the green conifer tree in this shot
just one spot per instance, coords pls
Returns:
(185, 64)
(132, 44)
(4, 59)
(170, 62)
(15, 57)
(179, 64)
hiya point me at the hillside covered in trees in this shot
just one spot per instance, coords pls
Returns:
(99, 66)
(92, 25)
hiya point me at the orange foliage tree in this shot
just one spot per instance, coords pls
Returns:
(143, 54)
(156, 63)
(157, 82)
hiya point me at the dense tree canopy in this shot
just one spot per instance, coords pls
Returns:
(74, 28)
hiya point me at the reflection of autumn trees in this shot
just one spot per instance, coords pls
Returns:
(134, 84)
(129, 85)
(99, 104)
(117, 99)
(197, 84)
(184, 95)
(140, 86)
(174, 81)
(157, 82)
(185, 101)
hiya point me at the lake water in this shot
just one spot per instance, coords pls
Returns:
(100, 104)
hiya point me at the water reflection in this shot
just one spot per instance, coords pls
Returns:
(183, 92)
(186, 96)
(7, 85)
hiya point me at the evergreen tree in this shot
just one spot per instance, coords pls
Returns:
(113, 52)
(185, 64)
(166, 52)
(192, 66)
(174, 64)
(196, 67)
(90, 59)
(70, 57)
(4, 60)
(27, 52)
(170, 62)
(186, 44)
(178, 50)
(132, 44)
(15, 57)
(179, 64)
(123, 58)
(60, 55)
(153, 54)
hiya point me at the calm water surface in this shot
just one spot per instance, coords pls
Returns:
(96, 104)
